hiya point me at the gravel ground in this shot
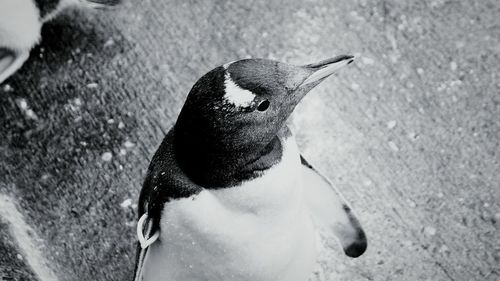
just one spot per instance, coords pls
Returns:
(410, 133)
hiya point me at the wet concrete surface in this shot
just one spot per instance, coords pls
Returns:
(410, 132)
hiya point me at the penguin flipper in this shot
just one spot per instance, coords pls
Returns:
(331, 212)
(146, 235)
(164, 182)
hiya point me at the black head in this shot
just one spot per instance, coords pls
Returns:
(233, 114)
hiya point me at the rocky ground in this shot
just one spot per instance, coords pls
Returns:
(410, 132)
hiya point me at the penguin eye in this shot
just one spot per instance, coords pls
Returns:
(263, 106)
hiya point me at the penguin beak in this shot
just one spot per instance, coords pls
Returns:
(319, 71)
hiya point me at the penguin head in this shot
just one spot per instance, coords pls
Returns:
(234, 112)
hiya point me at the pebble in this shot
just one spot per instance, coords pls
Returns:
(77, 101)
(7, 88)
(31, 114)
(23, 104)
(393, 146)
(126, 203)
(121, 125)
(354, 86)
(92, 85)
(391, 124)
(106, 156)
(128, 144)
(109, 43)
(444, 249)
(19, 257)
(412, 135)
(411, 203)
(453, 66)
(429, 230)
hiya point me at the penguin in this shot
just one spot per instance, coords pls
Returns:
(227, 195)
(20, 26)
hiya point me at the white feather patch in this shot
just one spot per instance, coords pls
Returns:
(236, 95)
(259, 230)
(19, 24)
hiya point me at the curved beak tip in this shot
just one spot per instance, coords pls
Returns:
(356, 249)
(325, 68)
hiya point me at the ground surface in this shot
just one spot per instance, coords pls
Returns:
(409, 133)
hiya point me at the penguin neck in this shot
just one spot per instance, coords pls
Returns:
(48, 8)
(214, 167)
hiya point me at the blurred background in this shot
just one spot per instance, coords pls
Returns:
(410, 132)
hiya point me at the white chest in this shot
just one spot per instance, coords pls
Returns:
(258, 231)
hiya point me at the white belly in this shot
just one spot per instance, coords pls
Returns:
(258, 231)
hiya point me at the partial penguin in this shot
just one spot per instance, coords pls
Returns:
(20, 25)
(227, 195)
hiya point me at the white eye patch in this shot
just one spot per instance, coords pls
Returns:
(235, 95)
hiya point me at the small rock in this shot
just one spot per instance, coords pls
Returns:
(444, 249)
(429, 230)
(354, 86)
(121, 125)
(411, 203)
(23, 104)
(123, 151)
(128, 144)
(391, 124)
(453, 66)
(420, 71)
(19, 257)
(111, 121)
(393, 146)
(109, 43)
(412, 135)
(126, 203)
(77, 101)
(7, 88)
(31, 114)
(92, 85)
(106, 156)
